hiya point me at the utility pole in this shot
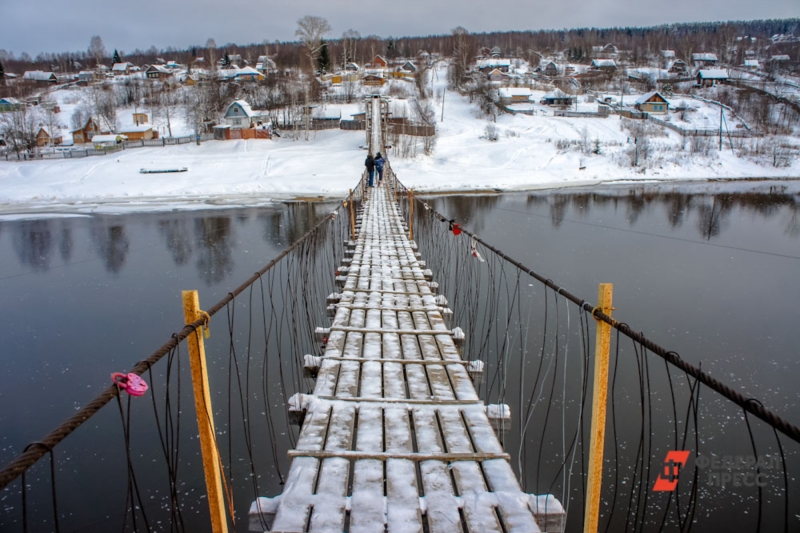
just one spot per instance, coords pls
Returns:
(444, 92)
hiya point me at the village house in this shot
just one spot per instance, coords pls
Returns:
(9, 104)
(497, 75)
(605, 65)
(678, 66)
(408, 67)
(43, 138)
(751, 63)
(514, 95)
(557, 98)
(86, 77)
(653, 103)
(140, 118)
(487, 65)
(351, 67)
(140, 132)
(39, 77)
(121, 69)
(85, 133)
(712, 76)
(496, 52)
(608, 51)
(373, 80)
(265, 65)
(550, 69)
(240, 115)
(704, 59)
(157, 72)
(240, 74)
(379, 62)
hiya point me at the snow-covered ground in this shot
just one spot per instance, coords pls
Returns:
(532, 152)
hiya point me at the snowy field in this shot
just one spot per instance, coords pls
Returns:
(531, 152)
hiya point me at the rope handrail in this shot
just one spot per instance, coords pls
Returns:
(32, 454)
(749, 404)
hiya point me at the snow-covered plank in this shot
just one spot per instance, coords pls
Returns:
(366, 512)
(403, 512)
(330, 502)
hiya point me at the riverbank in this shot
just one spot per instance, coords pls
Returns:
(529, 153)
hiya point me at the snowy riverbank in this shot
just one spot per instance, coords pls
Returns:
(531, 152)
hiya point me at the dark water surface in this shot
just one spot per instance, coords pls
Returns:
(709, 271)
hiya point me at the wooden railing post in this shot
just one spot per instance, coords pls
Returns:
(352, 218)
(411, 214)
(205, 414)
(599, 398)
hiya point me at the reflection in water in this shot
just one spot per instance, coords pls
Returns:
(111, 243)
(66, 242)
(177, 238)
(33, 242)
(214, 247)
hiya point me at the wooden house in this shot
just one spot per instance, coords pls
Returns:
(557, 98)
(751, 64)
(408, 67)
(550, 69)
(351, 67)
(140, 118)
(85, 133)
(497, 75)
(43, 138)
(605, 65)
(157, 72)
(239, 115)
(712, 76)
(496, 52)
(379, 62)
(488, 65)
(704, 59)
(653, 103)
(121, 69)
(265, 65)
(39, 77)
(10, 104)
(514, 95)
(373, 80)
(140, 132)
(678, 66)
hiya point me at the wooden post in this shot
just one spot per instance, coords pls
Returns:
(599, 397)
(411, 214)
(205, 415)
(352, 218)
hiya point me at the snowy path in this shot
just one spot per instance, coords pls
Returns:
(395, 404)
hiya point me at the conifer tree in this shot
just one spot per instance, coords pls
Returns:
(2, 73)
(226, 60)
(117, 59)
(324, 59)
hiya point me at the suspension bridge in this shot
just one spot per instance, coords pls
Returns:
(397, 431)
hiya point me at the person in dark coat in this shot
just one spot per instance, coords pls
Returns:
(379, 162)
(370, 164)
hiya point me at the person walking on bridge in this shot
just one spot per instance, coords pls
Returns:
(379, 162)
(370, 164)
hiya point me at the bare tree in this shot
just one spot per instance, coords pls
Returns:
(310, 31)
(463, 51)
(211, 48)
(97, 49)
(19, 127)
(350, 40)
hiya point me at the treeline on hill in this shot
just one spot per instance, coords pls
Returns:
(715, 37)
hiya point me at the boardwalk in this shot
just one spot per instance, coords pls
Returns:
(395, 437)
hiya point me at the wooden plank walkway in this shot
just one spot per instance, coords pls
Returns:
(395, 437)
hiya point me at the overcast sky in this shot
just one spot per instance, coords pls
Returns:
(38, 26)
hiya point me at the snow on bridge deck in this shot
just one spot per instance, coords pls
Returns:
(395, 437)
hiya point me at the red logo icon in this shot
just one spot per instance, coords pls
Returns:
(668, 477)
